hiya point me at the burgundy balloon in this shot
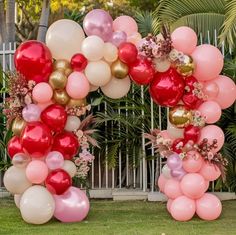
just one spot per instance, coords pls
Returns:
(167, 88)
(14, 146)
(127, 52)
(78, 62)
(34, 61)
(192, 132)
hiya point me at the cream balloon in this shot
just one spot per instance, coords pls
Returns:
(15, 180)
(17, 198)
(98, 73)
(135, 38)
(110, 52)
(161, 65)
(64, 38)
(72, 123)
(93, 88)
(92, 47)
(175, 132)
(166, 172)
(69, 167)
(37, 205)
(117, 88)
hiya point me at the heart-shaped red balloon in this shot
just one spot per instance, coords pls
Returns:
(192, 132)
(54, 116)
(178, 144)
(14, 146)
(167, 88)
(67, 144)
(36, 139)
(191, 101)
(190, 83)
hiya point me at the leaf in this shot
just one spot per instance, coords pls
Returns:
(97, 101)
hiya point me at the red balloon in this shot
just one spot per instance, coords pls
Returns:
(128, 52)
(34, 61)
(67, 144)
(190, 82)
(192, 132)
(54, 116)
(36, 139)
(178, 144)
(14, 146)
(141, 71)
(58, 181)
(191, 101)
(78, 62)
(167, 88)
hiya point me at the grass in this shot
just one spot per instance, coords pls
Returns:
(109, 217)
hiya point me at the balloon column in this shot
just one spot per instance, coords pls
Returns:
(187, 80)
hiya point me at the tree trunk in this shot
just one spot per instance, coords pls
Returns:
(43, 24)
(10, 20)
(2, 23)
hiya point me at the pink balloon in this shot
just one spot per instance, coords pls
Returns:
(208, 62)
(42, 92)
(161, 182)
(207, 185)
(168, 205)
(178, 173)
(77, 85)
(227, 91)
(126, 24)
(212, 132)
(118, 37)
(54, 160)
(192, 162)
(210, 171)
(184, 39)
(172, 189)
(210, 89)
(36, 171)
(43, 106)
(183, 208)
(193, 185)
(208, 207)
(72, 206)
(211, 111)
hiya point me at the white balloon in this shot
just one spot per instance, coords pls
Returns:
(175, 132)
(110, 52)
(69, 167)
(117, 88)
(15, 180)
(37, 205)
(72, 123)
(161, 65)
(166, 172)
(17, 198)
(93, 47)
(98, 73)
(64, 39)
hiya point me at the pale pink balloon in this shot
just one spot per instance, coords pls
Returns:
(54, 160)
(210, 89)
(227, 91)
(77, 85)
(43, 106)
(72, 206)
(211, 111)
(135, 38)
(210, 171)
(42, 92)
(161, 182)
(193, 185)
(31, 113)
(168, 205)
(192, 162)
(183, 208)
(172, 189)
(212, 132)
(208, 62)
(208, 207)
(36, 171)
(184, 39)
(126, 24)
(207, 185)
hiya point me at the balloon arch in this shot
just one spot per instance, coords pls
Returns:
(46, 110)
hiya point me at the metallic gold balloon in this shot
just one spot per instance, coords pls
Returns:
(180, 117)
(68, 71)
(61, 97)
(18, 125)
(79, 103)
(58, 79)
(186, 67)
(119, 69)
(61, 64)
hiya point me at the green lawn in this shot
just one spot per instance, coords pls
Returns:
(108, 217)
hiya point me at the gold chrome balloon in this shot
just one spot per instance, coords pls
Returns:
(119, 69)
(78, 103)
(68, 71)
(180, 117)
(61, 64)
(61, 97)
(58, 79)
(18, 125)
(185, 67)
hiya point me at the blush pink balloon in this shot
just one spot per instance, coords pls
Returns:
(168, 205)
(54, 160)
(43, 106)
(208, 62)
(207, 185)
(126, 24)
(77, 85)
(227, 91)
(209, 171)
(211, 111)
(31, 113)
(36, 171)
(161, 182)
(72, 206)
(210, 89)
(193, 185)
(212, 132)
(42, 92)
(192, 162)
(184, 39)
(118, 37)
(172, 189)
(208, 207)
(183, 208)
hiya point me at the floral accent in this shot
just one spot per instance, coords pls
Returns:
(198, 120)
(78, 110)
